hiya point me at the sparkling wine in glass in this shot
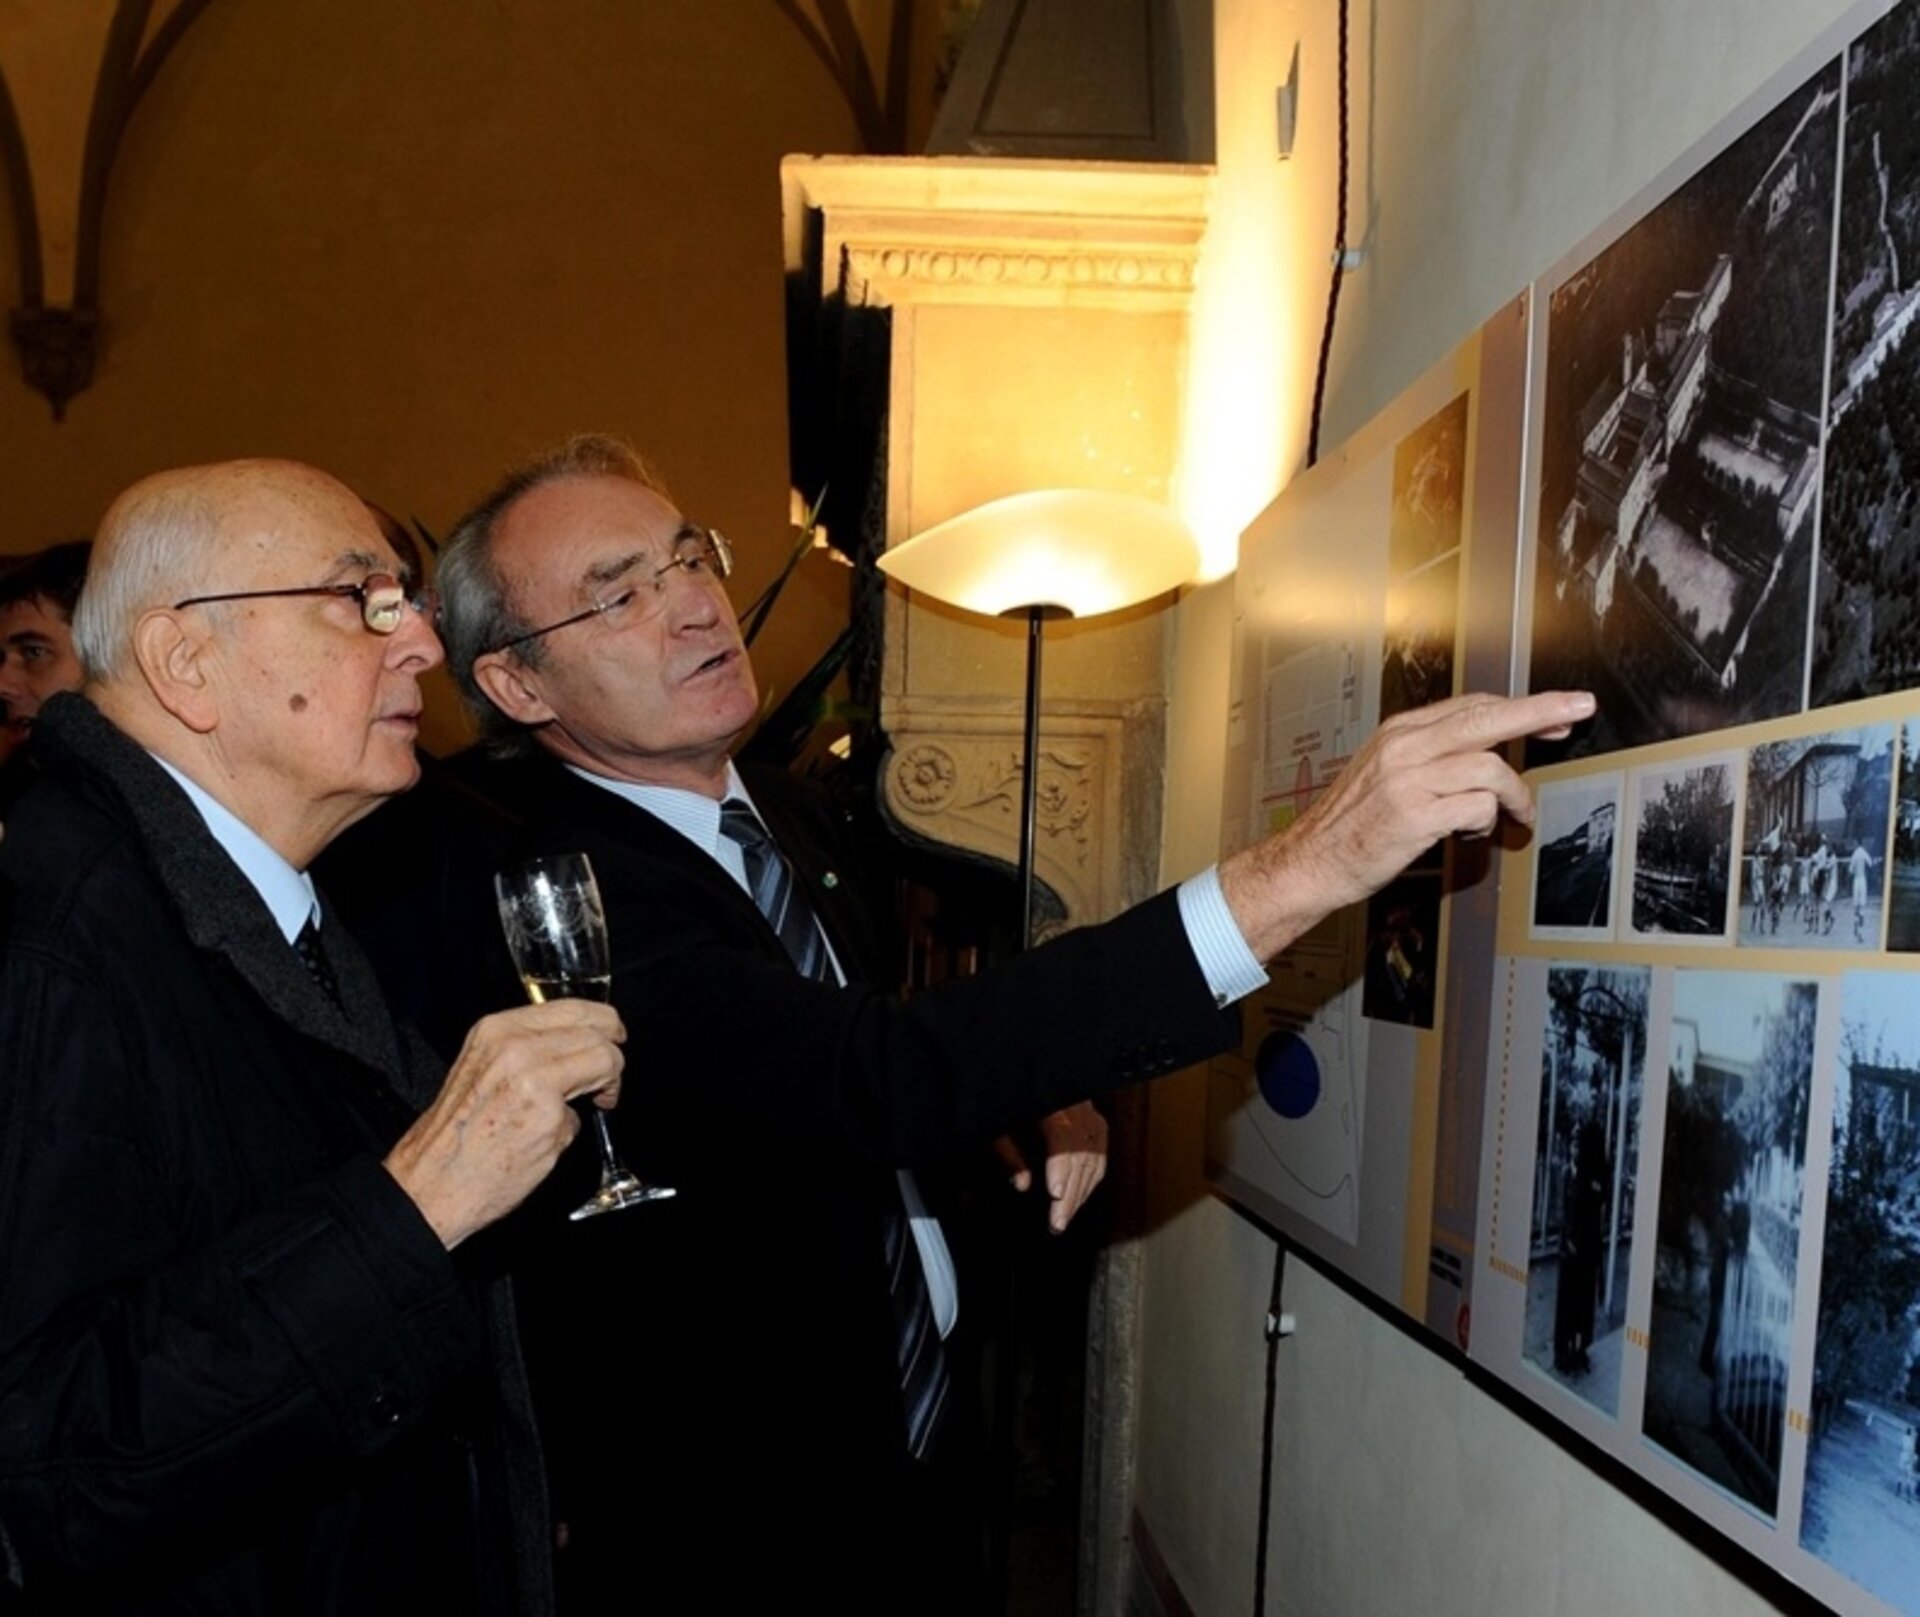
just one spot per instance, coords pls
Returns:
(557, 934)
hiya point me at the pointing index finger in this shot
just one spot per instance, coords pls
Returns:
(1491, 721)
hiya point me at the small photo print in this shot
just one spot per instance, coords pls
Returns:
(1575, 858)
(1814, 863)
(1423, 615)
(1586, 1171)
(1727, 1241)
(1903, 903)
(1403, 947)
(1682, 851)
(1429, 489)
(1861, 1513)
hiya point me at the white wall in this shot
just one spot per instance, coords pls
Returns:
(1489, 137)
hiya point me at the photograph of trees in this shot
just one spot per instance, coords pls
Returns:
(1867, 639)
(1862, 1509)
(1739, 1080)
(1682, 848)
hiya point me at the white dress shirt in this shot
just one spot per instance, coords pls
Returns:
(288, 893)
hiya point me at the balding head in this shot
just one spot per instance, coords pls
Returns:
(223, 627)
(165, 538)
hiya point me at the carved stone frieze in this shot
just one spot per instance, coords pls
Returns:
(888, 272)
(972, 231)
(955, 778)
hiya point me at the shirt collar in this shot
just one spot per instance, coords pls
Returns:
(288, 893)
(693, 814)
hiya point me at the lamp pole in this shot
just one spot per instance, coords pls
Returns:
(1036, 617)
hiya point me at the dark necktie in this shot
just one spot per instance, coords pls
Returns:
(783, 901)
(313, 955)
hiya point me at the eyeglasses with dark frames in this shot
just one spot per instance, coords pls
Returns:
(383, 599)
(698, 552)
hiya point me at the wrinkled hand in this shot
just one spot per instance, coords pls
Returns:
(1076, 1142)
(501, 1119)
(1421, 776)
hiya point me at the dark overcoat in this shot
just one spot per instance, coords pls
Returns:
(238, 1371)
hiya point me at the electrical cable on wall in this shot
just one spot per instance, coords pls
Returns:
(1279, 1325)
(1343, 259)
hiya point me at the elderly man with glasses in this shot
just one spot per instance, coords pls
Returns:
(252, 1357)
(782, 1378)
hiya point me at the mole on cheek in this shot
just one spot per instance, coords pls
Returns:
(297, 702)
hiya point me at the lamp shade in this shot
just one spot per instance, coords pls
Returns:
(1082, 551)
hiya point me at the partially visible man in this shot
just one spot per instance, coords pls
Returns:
(770, 1385)
(251, 1359)
(37, 596)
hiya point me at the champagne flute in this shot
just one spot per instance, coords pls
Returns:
(557, 934)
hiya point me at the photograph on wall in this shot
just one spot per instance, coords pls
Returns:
(1861, 1513)
(1815, 856)
(1682, 851)
(1867, 633)
(1403, 944)
(1575, 846)
(1422, 624)
(1903, 901)
(1429, 490)
(1680, 445)
(1727, 1237)
(1586, 1157)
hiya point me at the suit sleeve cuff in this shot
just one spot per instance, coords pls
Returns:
(1231, 969)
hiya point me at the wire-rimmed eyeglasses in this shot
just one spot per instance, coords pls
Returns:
(697, 551)
(383, 599)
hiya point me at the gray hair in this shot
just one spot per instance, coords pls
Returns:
(476, 615)
(153, 548)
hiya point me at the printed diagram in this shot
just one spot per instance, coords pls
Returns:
(1305, 1039)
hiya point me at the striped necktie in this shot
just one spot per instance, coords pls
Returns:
(924, 1380)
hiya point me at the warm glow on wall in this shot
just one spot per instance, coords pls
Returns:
(1260, 291)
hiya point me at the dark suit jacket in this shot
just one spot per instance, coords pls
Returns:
(238, 1372)
(724, 1361)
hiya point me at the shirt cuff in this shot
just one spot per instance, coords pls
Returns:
(1232, 970)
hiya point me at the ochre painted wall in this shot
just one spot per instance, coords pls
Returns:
(411, 243)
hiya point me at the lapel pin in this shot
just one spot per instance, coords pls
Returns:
(829, 880)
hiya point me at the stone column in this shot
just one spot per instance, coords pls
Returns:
(1035, 329)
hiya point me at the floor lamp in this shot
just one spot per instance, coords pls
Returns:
(1053, 553)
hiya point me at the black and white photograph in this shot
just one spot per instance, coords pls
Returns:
(1867, 629)
(1861, 1513)
(1903, 891)
(1680, 445)
(1814, 861)
(1403, 945)
(1575, 855)
(1422, 623)
(1586, 1168)
(1727, 1242)
(1682, 851)
(1429, 490)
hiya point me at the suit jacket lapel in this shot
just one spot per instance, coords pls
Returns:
(222, 912)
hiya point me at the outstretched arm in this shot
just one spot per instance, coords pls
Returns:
(1421, 776)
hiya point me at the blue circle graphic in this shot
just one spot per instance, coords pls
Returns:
(1289, 1074)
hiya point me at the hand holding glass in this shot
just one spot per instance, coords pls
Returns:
(557, 934)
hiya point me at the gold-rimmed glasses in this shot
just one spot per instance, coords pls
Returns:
(383, 599)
